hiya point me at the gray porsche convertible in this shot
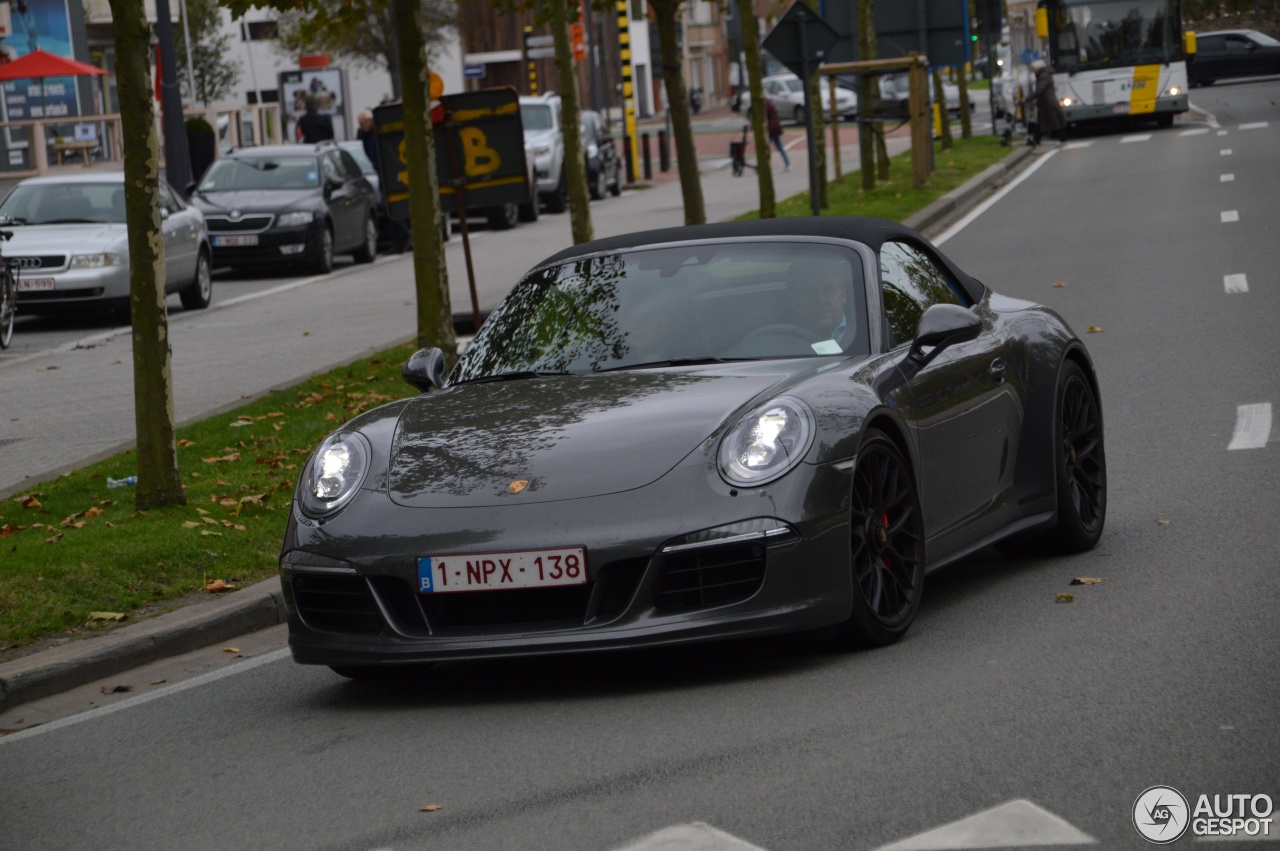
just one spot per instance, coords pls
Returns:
(691, 434)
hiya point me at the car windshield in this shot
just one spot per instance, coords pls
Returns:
(793, 84)
(536, 116)
(362, 159)
(697, 303)
(231, 173)
(1263, 38)
(1110, 33)
(65, 203)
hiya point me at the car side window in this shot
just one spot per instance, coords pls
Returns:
(911, 282)
(1236, 44)
(349, 165)
(1211, 44)
(168, 201)
(331, 169)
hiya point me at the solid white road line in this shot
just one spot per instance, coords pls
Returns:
(1235, 283)
(247, 665)
(1254, 125)
(1253, 429)
(1230, 216)
(1071, 146)
(1227, 178)
(1141, 137)
(987, 204)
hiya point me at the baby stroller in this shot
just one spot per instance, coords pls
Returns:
(738, 153)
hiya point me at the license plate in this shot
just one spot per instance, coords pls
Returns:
(34, 285)
(498, 571)
(232, 241)
(1120, 109)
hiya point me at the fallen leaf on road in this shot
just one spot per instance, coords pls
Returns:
(115, 689)
(231, 650)
(430, 808)
(1163, 522)
(219, 585)
(1094, 329)
(1060, 284)
(1085, 580)
(107, 616)
(1065, 598)
(157, 682)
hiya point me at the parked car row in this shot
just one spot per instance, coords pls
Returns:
(786, 93)
(274, 205)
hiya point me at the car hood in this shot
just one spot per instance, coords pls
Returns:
(255, 200)
(67, 239)
(568, 437)
(539, 137)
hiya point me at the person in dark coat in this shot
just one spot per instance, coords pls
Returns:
(314, 126)
(773, 125)
(1049, 118)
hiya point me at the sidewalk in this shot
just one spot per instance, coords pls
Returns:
(54, 669)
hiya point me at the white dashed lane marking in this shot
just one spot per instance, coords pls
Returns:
(1255, 125)
(1199, 131)
(1141, 137)
(1253, 427)
(1230, 216)
(1227, 178)
(1222, 132)
(1235, 283)
(1226, 152)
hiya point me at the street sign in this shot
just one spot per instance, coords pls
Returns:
(539, 47)
(800, 40)
(473, 72)
(898, 29)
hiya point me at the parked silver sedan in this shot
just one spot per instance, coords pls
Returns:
(786, 91)
(72, 245)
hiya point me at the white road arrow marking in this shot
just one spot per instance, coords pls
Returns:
(1253, 426)
(1015, 824)
(1230, 216)
(1235, 283)
(696, 836)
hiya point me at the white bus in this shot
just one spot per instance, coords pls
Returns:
(1116, 59)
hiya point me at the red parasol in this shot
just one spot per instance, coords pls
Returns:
(39, 64)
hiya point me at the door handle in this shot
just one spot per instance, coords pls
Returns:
(996, 371)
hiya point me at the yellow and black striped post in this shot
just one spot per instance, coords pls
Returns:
(628, 92)
(532, 66)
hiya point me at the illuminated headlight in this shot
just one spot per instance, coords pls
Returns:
(94, 261)
(999, 63)
(336, 472)
(292, 220)
(1175, 90)
(766, 443)
(1066, 102)
(592, 149)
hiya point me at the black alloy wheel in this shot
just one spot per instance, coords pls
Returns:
(504, 217)
(1081, 465)
(887, 538)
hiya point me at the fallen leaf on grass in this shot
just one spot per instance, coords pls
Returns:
(219, 585)
(190, 524)
(1065, 598)
(255, 499)
(239, 423)
(210, 534)
(115, 689)
(1085, 580)
(55, 538)
(107, 616)
(211, 521)
(430, 808)
(93, 511)
(234, 456)
(8, 529)
(185, 442)
(30, 501)
(1094, 329)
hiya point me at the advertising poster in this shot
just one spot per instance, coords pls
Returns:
(327, 86)
(45, 25)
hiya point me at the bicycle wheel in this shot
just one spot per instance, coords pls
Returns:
(8, 306)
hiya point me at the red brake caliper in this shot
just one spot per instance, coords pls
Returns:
(884, 521)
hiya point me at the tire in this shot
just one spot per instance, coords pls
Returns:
(322, 263)
(368, 250)
(558, 201)
(197, 294)
(1080, 465)
(799, 115)
(8, 308)
(599, 185)
(504, 217)
(886, 531)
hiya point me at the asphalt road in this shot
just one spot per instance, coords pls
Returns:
(1040, 721)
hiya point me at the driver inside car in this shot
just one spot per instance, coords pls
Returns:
(818, 295)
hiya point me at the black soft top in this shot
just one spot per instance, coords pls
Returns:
(872, 232)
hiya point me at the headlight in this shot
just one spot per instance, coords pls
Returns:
(766, 443)
(1175, 91)
(592, 150)
(1066, 102)
(542, 151)
(335, 474)
(94, 261)
(292, 220)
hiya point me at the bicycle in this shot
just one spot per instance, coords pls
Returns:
(8, 292)
(738, 153)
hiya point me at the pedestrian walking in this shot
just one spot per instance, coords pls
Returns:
(1049, 118)
(774, 126)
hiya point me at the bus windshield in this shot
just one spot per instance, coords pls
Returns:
(1088, 34)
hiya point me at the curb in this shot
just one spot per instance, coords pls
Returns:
(260, 606)
(79, 662)
(966, 197)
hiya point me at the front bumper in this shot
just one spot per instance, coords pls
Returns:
(276, 245)
(1081, 113)
(75, 287)
(367, 612)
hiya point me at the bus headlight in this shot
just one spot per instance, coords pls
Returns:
(1066, 102)
(1174, 90)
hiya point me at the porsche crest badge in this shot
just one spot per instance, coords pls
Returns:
(518, 485)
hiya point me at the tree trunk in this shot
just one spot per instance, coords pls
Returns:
(940, 98)
(966, 120)
(868, 94)
(755, 74)
(815, 83)
(575, 166)
(158, 481)
(668, 12)
(431, 277)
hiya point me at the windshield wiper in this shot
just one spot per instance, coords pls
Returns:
(68, 222)
(512, 376)
(672, 362)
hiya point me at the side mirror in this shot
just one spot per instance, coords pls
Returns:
(425, 369)
(941, 326)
